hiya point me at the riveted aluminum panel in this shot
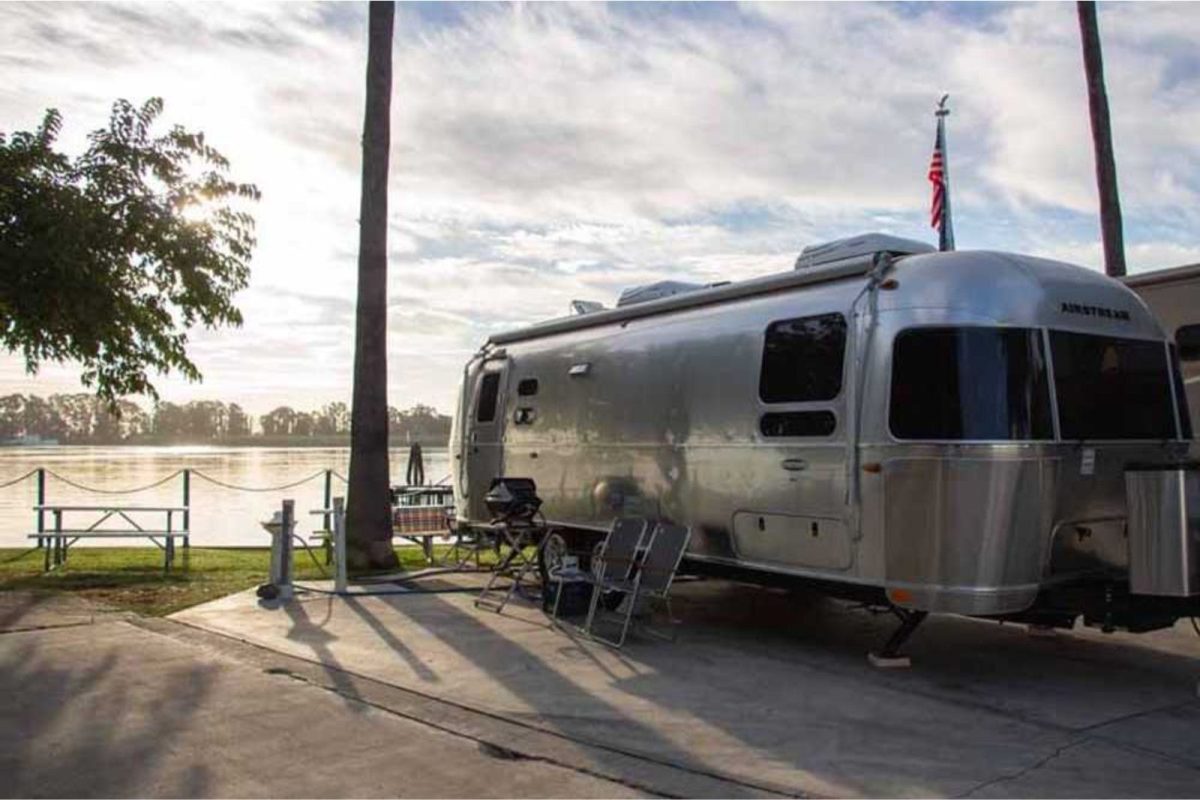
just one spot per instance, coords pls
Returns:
(967, 535)
(1164, 530)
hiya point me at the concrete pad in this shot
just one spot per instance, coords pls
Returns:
(1074, 681)
(114, 710)
(31, 610)
(1171, 731)
(1105, 770)
(654, 777)
(766, 688)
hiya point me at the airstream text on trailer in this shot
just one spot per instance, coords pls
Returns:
(966, 432)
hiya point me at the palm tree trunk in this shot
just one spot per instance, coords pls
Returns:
(368, 513)
(1106, 165)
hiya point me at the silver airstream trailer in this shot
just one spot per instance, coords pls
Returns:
(968, 432)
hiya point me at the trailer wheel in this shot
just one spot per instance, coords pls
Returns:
(550, 557)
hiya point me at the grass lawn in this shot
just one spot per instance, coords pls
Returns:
(132, 578)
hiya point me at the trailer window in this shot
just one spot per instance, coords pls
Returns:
(802, 359)
(973, 383)
(1111, 388)
(527, 387)
(1188, 337)
(798, 423)
(489, 392)
(1181, 402)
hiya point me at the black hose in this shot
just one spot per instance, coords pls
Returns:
(311, 554)
(395, 591)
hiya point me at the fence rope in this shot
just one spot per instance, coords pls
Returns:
(15, 481)
(176, 474)
(97, 490)
(440, 482)
(237, 488)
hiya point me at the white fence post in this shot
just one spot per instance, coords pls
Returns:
(339, 545)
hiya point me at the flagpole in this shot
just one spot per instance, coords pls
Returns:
(946, 232)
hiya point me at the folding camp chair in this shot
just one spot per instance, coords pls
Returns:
(616, 560)
(652, 579)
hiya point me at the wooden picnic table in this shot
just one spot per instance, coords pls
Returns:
(62, 536)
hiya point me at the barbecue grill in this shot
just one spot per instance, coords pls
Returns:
(513, 500)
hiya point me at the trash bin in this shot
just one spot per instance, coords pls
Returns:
(576, 593)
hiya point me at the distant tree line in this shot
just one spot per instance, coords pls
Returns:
(87, 419)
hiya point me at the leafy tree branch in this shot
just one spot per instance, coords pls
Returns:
(109, 259)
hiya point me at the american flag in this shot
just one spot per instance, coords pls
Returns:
(939, 209)
(937, 176)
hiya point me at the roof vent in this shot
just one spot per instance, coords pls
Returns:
(656, 291)
(585, 307)
(863, 246)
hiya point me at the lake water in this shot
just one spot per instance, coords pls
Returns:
(219, 516)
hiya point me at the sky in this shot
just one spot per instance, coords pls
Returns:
(548, 152)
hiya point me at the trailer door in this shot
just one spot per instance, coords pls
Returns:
(485, 445)
(796, 516)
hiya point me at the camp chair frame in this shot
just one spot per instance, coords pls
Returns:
(618, 553)
(652, 580)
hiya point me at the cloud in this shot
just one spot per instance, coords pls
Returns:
(547, 152)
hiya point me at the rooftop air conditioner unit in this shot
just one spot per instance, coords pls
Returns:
(656, 291)
(863, 246)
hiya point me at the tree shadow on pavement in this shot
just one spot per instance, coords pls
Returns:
(86, 721)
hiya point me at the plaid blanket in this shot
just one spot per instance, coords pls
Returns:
(420, 519)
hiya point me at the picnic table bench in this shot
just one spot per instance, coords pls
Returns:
(62, 537)
(419, 518)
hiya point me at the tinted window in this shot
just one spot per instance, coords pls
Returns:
(970, 383)
(802, 359)
(1185, 414)
(488, 393)
(1111, 388)
(527, 387)
(1188, 338)
(798, 423)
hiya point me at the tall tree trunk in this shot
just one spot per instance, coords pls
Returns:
(368, 513)
(1106, 165)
